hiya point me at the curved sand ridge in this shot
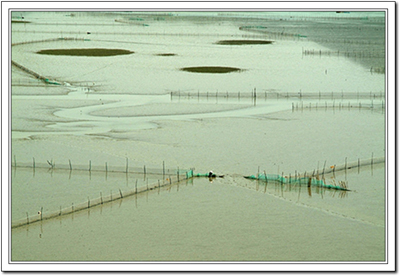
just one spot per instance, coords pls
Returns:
(165, 110)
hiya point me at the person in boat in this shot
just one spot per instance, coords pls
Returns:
(211, 174)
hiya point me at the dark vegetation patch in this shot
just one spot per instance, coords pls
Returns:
(211, 69)
(20, 21)
(243, 42)
(166, 54)
(89, 52)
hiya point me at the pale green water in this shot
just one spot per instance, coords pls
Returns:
(224, 220)
(227, 220)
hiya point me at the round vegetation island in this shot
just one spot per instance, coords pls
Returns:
(243, 42)
(211, 69)
(166, 55)
(87, 52)
(20, 21)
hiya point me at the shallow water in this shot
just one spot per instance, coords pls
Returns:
(228, 219)
(111, 109)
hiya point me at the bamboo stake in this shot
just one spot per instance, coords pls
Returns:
(372, 159)
(163, 169)
(120, 193)
(266, 182)
(372, 162)
(70, 165)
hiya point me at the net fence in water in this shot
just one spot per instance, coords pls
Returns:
(317, 177)
(174, 176)
(169, 179)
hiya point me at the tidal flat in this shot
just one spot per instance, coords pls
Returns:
(285, 111)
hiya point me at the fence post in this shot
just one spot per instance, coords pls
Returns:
(372, 162)
(163, 169)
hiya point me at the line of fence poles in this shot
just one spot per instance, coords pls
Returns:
(338, 106)
(354, 53)
(168, 178)
(101, 200)
(51, 165)
(266, 94)
(333, 169)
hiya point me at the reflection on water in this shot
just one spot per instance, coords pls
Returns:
(227, 219)
(56, 189)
